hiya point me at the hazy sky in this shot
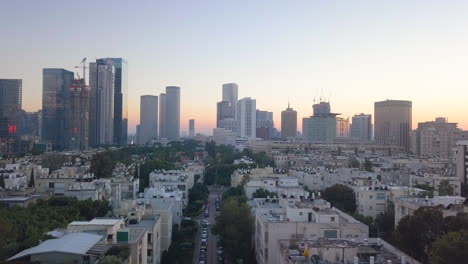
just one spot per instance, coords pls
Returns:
(357, 52)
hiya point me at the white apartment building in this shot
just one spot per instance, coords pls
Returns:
(246, 118)
(285, 187)
(171, 180)
(277, 219)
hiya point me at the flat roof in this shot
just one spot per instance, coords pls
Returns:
(72, 243)
(98, 221)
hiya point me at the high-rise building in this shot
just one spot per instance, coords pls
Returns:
(460, 156)
(101, 104)
(230, 91)
(246, 118)
(288, 123)
(148, 118)
(191, 128)
(10, 111)
(223, 136)
(342, 127)
(361, 127)
(265, 126)
(162, 116)
(393, 122)
(173, 112)
(79, 115)
(223, 111)
(55, 107)
(435, 138)
(321, 127)
(120, 99)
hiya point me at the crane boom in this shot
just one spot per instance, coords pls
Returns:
(84, 67)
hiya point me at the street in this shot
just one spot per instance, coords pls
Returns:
(211, 252)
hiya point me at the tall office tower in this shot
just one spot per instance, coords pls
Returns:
(288, 123)
(342, 127)
(264, 125)
(321, 127)
(435, 138)
(10, 111)
(460, 157)
(162, 116)
(393, 123)
(120, 99)
(191, 128)
(101, 104)
(173, 112)
(246, 118)
(55, 107)
(79, 115)
(223, 111)
(148, 118)
(230, 94)
(361, 127)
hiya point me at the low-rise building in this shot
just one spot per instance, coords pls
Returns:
(447, 204)
(173, 180)
(277, 219)
(337, 251)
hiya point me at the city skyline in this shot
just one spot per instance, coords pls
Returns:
(353, 54)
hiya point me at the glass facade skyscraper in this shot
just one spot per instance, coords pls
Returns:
(55, 108)
(10, 111)
(120, 99)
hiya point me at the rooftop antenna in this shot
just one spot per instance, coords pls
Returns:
(288, 102)
(84, 67)
(321, 96)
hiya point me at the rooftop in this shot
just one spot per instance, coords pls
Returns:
(98, 221)
(73, 243)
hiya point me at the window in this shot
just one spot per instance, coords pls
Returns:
(300, 213)
(330, 233)
(371, 196)
(380, 196)
(332, 219)
(51, 185)
(110, 237)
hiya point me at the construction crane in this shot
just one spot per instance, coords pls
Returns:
(84, 67)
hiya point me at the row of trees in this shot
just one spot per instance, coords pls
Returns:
(431, 238)
(197, 196)
(21, 228)
(220, 162)
(181, 249)
(235, 227)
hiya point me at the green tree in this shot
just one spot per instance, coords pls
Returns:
(450, 249)
(102, 165)
(235, 226)
(341, 197)
(54, 161)
(262, 193)
(415, 234)
(111, 260)
(353, 163)
(368, 165)
(445, 188)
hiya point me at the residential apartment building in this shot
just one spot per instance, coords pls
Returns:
(277, 219)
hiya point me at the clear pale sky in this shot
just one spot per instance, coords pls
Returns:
(357, 52)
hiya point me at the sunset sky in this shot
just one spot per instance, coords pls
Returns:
(352, 53)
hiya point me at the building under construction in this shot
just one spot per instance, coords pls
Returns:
(79, 114)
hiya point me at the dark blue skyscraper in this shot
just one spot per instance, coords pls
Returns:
(120, 99)
(55, 107)
(10, 111)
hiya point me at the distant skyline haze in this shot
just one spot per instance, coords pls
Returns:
(354, 53)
